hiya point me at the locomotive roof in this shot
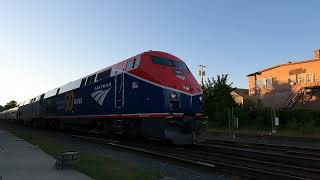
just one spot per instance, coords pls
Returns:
(115, 67)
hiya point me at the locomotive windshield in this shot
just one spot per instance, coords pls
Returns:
(169, 62)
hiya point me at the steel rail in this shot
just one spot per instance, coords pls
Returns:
(217, 161)
(292, 150)
(294, 170)
(266, 156)
(273, 137)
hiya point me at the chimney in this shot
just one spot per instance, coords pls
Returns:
(317, 54)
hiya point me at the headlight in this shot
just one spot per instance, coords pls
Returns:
(200, 98)
(173, 95)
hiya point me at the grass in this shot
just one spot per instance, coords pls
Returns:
(45, 143)
(97, 167)
(101, 168)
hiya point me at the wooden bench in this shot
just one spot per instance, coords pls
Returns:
(67, 159)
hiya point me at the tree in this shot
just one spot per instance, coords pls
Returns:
(217, 98)
(1, 108)
(10, 105)
(218, 90)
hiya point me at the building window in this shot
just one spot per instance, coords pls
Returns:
(258, 84)
(269, 83)
(263, 83)
(310, 78)
(292, 79)
(301, 78)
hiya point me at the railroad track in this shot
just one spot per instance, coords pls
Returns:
(297, 167)
(272, 137)
(289, 150)
(242, 162)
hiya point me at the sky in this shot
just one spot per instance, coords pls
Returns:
(45, 44)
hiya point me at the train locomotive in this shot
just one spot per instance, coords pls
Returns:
(152, 94)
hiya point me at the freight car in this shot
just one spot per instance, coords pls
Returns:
(152, 94)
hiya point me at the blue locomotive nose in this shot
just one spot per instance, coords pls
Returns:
(184, 103)
(187, 124)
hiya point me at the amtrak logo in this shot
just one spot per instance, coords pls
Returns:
(181, 77)
(100, 95)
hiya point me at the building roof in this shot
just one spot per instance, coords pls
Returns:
(242, 92)
(280, 65)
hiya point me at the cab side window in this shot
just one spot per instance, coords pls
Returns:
(133, 63)
(83, 82)
(104, 74)
(136, 62)
(91, 79)
(130, 64)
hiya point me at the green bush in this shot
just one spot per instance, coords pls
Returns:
(302, 120)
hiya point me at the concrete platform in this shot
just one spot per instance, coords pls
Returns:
(21, 160)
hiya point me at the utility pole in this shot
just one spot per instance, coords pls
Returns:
(202, 72)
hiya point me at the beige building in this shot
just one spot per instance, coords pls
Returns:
(240, 96)
(291, 85)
